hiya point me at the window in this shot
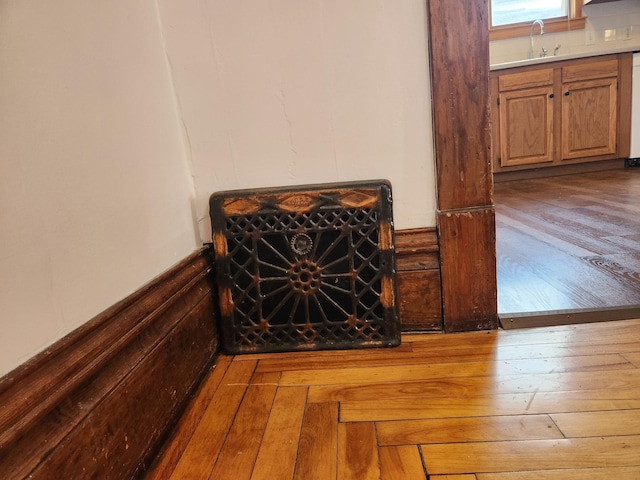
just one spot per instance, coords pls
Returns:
(512, 18)
(504, 12)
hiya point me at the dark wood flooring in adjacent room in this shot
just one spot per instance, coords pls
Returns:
(568, 246)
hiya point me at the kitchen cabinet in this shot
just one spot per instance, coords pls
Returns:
(561, 113)
(589, 109)
(526, 122)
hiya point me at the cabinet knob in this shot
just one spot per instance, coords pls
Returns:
(551, 95)
(567, 93)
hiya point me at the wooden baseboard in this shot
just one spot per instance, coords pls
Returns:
(419, 286)
(99, 402)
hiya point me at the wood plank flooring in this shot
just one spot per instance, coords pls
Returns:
(569, 243)
(545, 403)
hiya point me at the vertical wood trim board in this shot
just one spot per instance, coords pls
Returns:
(459, 55)
(459, 65)
(99, 402)
(469, 270)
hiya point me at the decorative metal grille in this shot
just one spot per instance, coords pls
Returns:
(306, 267)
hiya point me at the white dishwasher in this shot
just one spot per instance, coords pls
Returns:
(635, 108)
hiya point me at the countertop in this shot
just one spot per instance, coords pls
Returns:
(588, 51)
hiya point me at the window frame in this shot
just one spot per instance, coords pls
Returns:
(576, 21)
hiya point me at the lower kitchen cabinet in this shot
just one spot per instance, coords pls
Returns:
(526, 118)
(561, 112)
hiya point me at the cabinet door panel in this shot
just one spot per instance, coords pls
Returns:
(526, 126)
(589, 118)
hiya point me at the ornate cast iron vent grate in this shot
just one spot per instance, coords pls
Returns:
(306, 268)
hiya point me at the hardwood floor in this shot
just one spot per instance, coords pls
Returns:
(567, 244)
(546, 403)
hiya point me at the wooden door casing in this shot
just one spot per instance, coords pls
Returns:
(459, 66)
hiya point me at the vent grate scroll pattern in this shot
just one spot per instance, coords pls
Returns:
(319, 277)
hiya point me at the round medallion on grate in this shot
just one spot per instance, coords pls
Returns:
(301, 243)
(305, 277)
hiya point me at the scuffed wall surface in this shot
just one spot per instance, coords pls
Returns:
(95, 190)
(287, 92)
(120, 118)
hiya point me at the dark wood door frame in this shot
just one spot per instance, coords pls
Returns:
(459, 66)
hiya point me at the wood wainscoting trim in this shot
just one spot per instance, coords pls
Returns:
(100, 401)
(419, 285)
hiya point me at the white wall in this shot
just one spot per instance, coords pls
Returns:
(105, 166)
(286, 92)
(95, 190)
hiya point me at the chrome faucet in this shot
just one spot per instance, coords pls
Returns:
(541, 23)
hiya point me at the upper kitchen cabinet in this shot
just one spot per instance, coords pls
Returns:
(560, 113)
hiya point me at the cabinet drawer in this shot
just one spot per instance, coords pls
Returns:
(590, 70)
(533, 78)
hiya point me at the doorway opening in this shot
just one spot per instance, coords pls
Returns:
(568, 248)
